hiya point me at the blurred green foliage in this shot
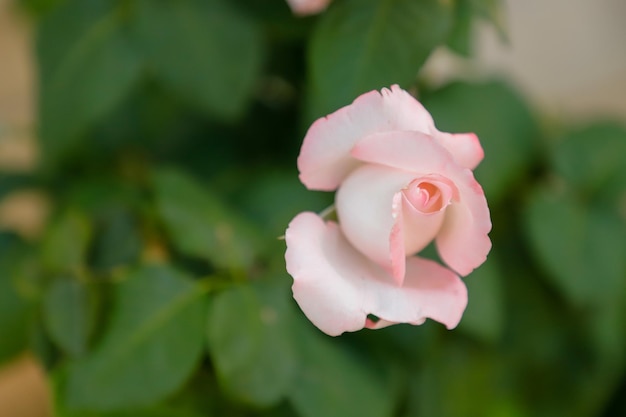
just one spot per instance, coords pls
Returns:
(169, 131)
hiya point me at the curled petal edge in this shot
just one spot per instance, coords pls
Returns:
(337, 287)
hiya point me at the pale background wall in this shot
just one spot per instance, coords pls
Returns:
(568, 56)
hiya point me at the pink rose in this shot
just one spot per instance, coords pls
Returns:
(400, 184)
(307, 7)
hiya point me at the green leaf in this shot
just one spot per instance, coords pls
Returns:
(86, 66)
(153, 343)
(468, 377)
(591, 157)
(69, 313)
(333, 382)
(361, 45)
(503, 123)
(205, 49)
(285, 188)
(10, 182)
(200, 224)
(64, 248)
(15, 309)
(484, 316)
(583, 248)
(460, 38)
(491, 10)
(58, 383)
(255, 359)
(150, 412)
(117, 241)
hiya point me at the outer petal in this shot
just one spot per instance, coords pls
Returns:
(369, 207)
(464, 147)
(337, 287)
(325, 159)
(462, 242)
(307, 7)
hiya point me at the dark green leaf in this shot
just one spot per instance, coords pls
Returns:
(468, 378)
(503, 123)
(200, 224)
(153, 343)
(484, 316)
(255, 360)
(583, 248)
(69, 313)
(10, 182)
(205, 49)
(117, 240)
(333, 382)
(15, 308)
(284, 187)
(549, 348)
(150, 412)
(361, 45)
(86, 65)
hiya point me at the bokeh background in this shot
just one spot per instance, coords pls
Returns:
(128, 185)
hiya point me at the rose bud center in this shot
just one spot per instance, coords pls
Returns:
(425, 197)
(424, 204)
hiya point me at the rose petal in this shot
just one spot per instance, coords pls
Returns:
(337, 287)
(464, 147)
(463, 242)
(369, 207)
(307, 7)
(325, 159)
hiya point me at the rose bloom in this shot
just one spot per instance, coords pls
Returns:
(401, 184)
(307, 7)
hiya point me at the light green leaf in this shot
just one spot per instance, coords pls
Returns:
(503, 123)
(69, 313)
(200, 224)
(591, 157)
(361, 45)
(153, 343)
(86, 65)
(492, 11)
(64, 248)
(255, 359)
(333, 382)
(205, 49)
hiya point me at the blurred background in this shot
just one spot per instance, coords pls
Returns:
(542, 83)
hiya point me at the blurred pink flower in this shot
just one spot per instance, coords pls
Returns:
(308, 7)
(400, 185)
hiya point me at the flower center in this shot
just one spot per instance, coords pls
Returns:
(426, 197)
